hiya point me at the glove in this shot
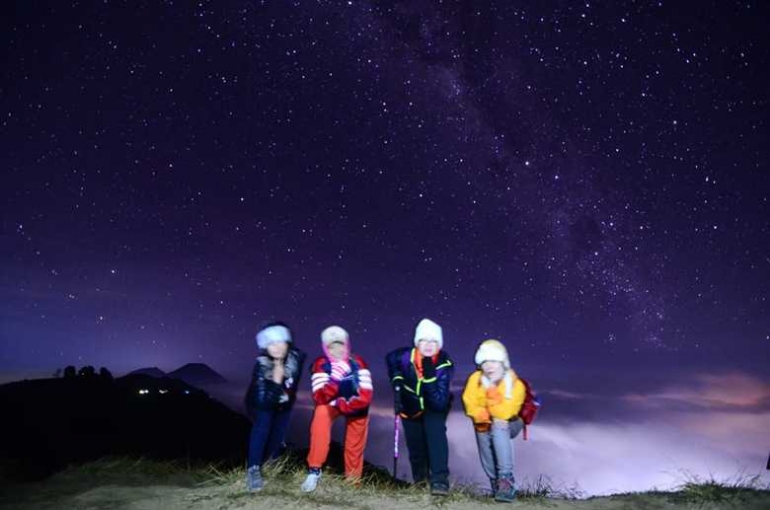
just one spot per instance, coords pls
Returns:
(428, 368)
(398, 407)
(339, 370)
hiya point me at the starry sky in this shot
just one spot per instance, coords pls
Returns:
(587, 182)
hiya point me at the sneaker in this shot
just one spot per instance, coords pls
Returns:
(311, 482)
(254, 480)
(506, 491)
(493, 484)
(439, 489)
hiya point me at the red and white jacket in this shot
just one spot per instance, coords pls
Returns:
(349, 390)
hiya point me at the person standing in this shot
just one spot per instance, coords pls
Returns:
(493, 397)
(270, 396)
(421, 376)
(342, 387)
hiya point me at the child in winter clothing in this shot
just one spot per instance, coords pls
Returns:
(493, 397)
(342, 386)
(421, 377)
(270, 397)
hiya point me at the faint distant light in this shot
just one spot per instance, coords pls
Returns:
(144, 391)
(162, 392)
(186, 392)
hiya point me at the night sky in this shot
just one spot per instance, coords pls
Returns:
(587, 182)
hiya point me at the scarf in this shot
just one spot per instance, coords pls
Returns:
(508, 378)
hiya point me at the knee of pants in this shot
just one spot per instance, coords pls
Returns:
(321, 424)
(262, 421)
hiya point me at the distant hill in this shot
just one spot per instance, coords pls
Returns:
(49, 423)
(197, 374)
(150, 371)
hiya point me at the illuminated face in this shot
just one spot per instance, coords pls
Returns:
(428, 347)
(337, 350)
(278, 350)
(494, 370)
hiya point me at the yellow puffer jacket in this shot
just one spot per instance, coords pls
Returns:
(482, 404)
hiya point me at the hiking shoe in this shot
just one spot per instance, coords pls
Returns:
(311, 482)
(254, 480)
(506, 491)
(439, 489)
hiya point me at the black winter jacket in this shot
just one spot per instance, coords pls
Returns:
(418, 394)
(263, 393)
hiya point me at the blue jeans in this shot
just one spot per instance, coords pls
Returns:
(267, 435)
(496, 450)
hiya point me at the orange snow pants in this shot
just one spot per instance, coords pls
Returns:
(356, 429)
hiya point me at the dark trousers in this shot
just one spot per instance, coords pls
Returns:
(267, 435)
(428, 448)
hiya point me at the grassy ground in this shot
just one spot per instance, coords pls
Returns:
(140, 484)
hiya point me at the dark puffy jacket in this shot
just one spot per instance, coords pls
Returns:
(265, 394)
(419, 394)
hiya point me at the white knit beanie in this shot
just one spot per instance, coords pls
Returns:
(334, 334)
(273, 334)
(492, 350)
(429, 330)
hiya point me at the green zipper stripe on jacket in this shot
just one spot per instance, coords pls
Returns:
(418, 391)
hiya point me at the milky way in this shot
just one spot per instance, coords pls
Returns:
(586, 182)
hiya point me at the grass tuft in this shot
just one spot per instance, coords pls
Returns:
(542, 488)
(136, 471)
(732, 490)
(223, 486)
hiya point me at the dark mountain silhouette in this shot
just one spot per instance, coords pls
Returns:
(150, 371)
(197, 374)
(49, 423)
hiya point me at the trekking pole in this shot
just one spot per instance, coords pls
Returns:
(396, 430)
